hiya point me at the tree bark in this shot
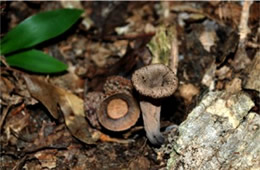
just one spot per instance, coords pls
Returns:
(220, 133)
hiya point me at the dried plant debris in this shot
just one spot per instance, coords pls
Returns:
(70, 105)
(13, 89)
(62, 81)
(253, 81)
(212, 47)
(160, 45)
(140, 22)
(188, 91)
(100, 52)
(229, 12)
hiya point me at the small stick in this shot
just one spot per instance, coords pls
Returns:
(5, 111)
(243, 27)
(174, 59)
(18, 109)
(4, 62)
(252, 44)
(105, 138)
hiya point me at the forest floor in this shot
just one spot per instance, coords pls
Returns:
(216, 45)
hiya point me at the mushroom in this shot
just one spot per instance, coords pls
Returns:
(118, 112)
(115, 108)
(153, 82)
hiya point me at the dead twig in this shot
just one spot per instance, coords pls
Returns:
(2, 59)
(243, 27)
(20, 163)
(252, 44)
(5, 111)
(241, 59)
(106, 138)
(18, 109)
(174, 59)
(14, 112)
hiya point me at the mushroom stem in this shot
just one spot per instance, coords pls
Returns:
(151, 117)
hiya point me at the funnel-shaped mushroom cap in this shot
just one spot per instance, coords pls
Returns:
(155, 80)
(118, 112)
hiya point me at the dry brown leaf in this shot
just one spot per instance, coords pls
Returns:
(47, 158)
(224, 72)
(45, 93)
(62, 81)
(208, 39)
(241, 59)
(16, 124)
(140, 162)
(100, 52)
(71, 106)
(8, 90)
(229, 11)
(208, 78)
(234, 85)
(59, 137)
(6, 85)
(188, 91)
(254, 12)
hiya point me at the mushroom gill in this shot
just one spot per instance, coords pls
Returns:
(118, 112)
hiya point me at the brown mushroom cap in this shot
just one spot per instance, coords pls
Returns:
(155, 80)
(118, 112)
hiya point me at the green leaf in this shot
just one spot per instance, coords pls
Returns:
(39, 28)
(36, 61)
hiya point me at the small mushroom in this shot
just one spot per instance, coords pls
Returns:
(118, 112)
(153, 82)
(115, 108)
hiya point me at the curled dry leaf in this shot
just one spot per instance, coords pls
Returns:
(188, 91)
(229, 11)
(208, 39)
(234, 86)
(71, 106)
(208, 78)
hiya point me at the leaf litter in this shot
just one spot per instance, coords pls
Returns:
(43, 124)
